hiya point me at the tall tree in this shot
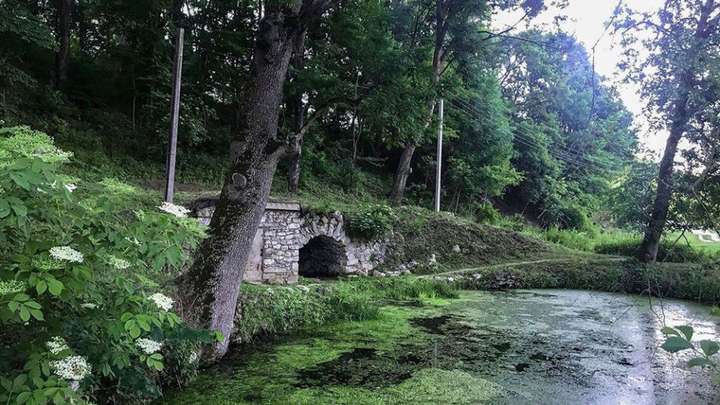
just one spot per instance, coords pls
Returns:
(571, 130)
(681, 39)
(449, 28)
(63, 19)
(214, 280)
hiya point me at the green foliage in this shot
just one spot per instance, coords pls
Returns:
(484, 212)
(679, 339)
(75, 267)
(371, 221)
(571, 138)
(571, 238)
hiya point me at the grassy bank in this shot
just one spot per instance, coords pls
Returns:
(675, 247)
(694, 282)
(269, 311)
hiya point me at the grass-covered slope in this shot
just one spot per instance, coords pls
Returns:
(455, 242)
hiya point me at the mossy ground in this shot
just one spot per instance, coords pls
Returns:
(283, 374)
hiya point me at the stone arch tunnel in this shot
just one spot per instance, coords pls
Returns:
(290, 243)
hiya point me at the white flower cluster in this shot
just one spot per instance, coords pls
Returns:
(57, 345)
(118, 263)
(88, 305)
(194, 357)
(162, 301)
(134, 241)
(148, 346)
(51, 154)
(11, 287)
(66, 253)
(73, 368)
(70, 187)
(177, 210)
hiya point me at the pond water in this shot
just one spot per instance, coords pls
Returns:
(517, 347)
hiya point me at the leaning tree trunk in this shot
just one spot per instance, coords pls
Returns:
(401, 174)
(654, 230)
(62, 29)
(680, 118)
(214, 280)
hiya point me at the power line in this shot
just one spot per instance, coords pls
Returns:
(563, 154)
(570, 161)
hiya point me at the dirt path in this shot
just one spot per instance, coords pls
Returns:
(521, 263)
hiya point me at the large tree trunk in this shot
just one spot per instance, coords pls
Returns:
(62, 30)
(653, 233)
(214, 280)
(297, 108)
(680, 118)
(401, 174)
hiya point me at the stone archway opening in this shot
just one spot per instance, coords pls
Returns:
(322, 256)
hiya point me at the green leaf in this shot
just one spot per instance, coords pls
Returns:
(698, 362)
(19, 381)
(4, 208)
(55, 286)
(709, 347)
(37, 314)
(23, 397)
(6, 384)
(24, 314)
(41, 287)
(668, 331)
(687, 331)
(20, 180)
(33, 305)
(675, 344)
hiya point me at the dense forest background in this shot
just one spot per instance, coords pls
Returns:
(530, 128)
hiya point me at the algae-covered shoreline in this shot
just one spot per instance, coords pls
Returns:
(527, 346)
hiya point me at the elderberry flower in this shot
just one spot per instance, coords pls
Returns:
(148, 346)
(66, 253)
(73, 368)
(88, 305)
(177, 210)
(57, 345)
(134, 241)
(70, 187)
(162, 301)
(11, 287)
(120, 264)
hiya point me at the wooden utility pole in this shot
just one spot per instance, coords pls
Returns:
(438, 174)
(174, 116)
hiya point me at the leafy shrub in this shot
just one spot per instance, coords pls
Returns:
(80, 317)
(565, 216)
(371, 221)
(485, 212)
(569, 238)
(668, 251)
